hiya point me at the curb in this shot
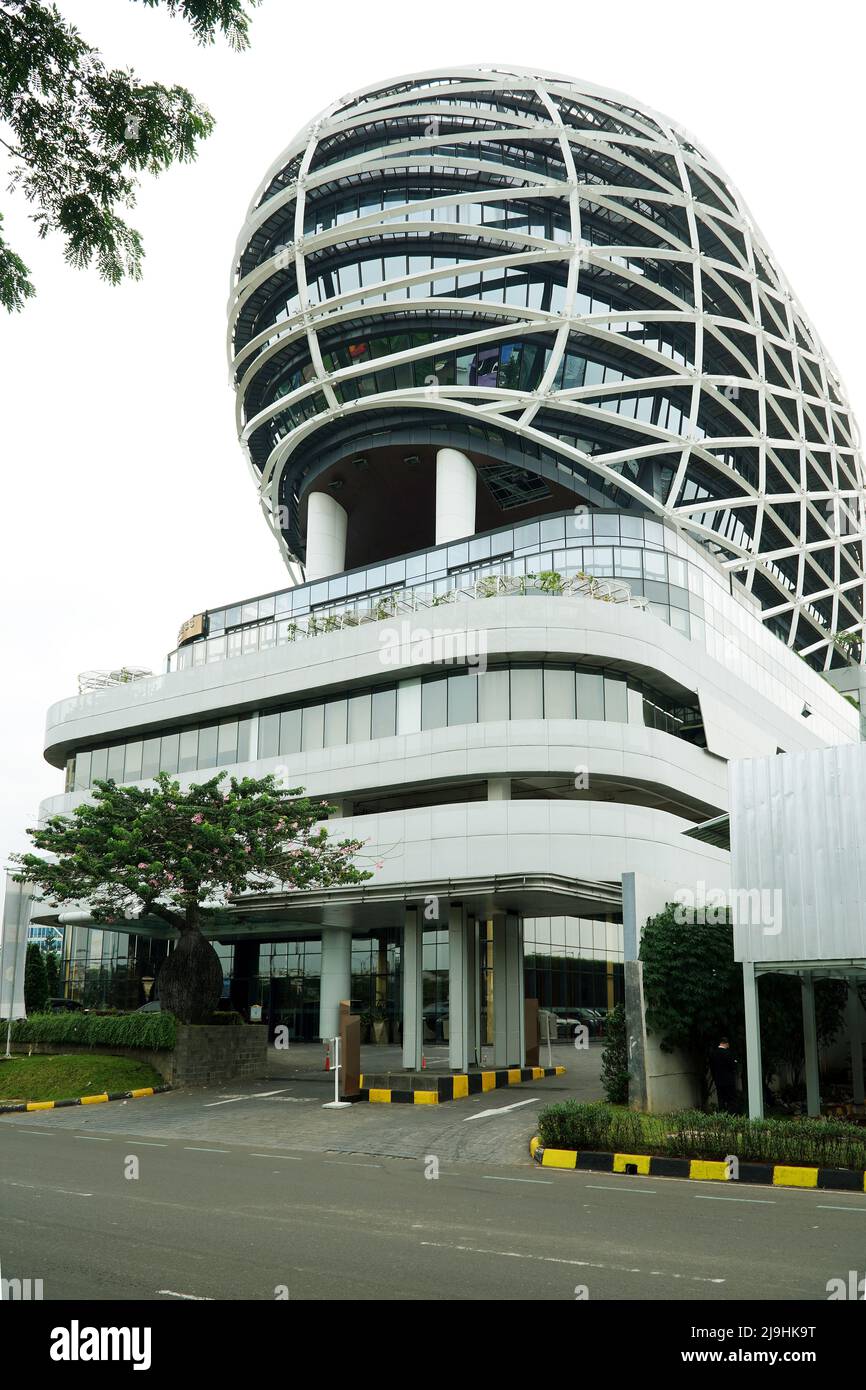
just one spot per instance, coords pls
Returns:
(699, 1169)
(83, 1100)
(459, 1086)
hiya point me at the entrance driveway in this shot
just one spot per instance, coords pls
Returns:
(284, 1110)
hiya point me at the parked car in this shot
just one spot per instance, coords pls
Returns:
(64, 1006)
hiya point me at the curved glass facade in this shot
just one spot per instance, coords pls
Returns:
(456, 696)
(570, 273)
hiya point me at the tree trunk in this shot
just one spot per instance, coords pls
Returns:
(191, 978)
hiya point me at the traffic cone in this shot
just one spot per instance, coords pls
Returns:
(423, 1062)
(327, 1056)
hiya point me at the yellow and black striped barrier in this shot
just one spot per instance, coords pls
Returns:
(700, 1169)
(83, 1100)
(457, 1086)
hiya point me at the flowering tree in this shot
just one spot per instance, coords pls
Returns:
(178, 855)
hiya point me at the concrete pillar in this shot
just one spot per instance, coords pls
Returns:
(499, 789)
(754, 1066)
(456, 482)
(855, 1033)
(413, 998)
(336, 979)
(463, 989)
(508, 1022)
(326, 536)
(810, 1046)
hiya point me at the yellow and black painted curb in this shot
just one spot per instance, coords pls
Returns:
(83, 1100)
(699, 1169)
(458, 1086)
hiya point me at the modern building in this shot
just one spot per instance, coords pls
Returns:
(571, 503)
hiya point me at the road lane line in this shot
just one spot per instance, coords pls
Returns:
(95, 1138)
(545, 1182)
(825, 1206)
(194, 1297)
(288, 1158)
(642, 1191)
(556, 1260)
(231, 1100)
(195, 1148)
(760, 1201)
(335, 1163)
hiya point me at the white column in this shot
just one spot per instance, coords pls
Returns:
(413, 999)
(754, 1066)
(456, 482)
(326, 536)
(855, 1033)
(810, 1046)
(509, 1048)
(462, 989)
(336, 978)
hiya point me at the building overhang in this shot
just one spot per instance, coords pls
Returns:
(364, 907)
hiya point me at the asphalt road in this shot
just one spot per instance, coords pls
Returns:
(206, 1220)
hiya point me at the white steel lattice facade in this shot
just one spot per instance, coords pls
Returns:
(565, 285)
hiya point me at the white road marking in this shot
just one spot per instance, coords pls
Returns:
(94, 1138)
(644, 1191)
(501, 1109)
(546, 1182)
(336, 1163)
(66, 1192)
(195, 1148)
(151, 1144)
(289, 1158)
(554, 1260)
(253, 1095)
(195, 1297)
(760, 1201)
(25, 1130)
(824, 1206)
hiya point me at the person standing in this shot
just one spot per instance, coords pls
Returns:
(723, 1068)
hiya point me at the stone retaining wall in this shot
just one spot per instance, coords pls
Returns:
(205, 1055)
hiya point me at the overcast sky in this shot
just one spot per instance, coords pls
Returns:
(127, 505)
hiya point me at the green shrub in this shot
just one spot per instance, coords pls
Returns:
(614, 1058)
(598, 1128)
(154, 1030)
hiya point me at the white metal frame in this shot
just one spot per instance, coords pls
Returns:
(788, 365)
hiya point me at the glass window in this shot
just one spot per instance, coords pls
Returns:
(168, 753)
(384, 713)
(409, 706)
(99, 764)
(207, 746)
(82, 771)
(245, 738)
(150, 757)
(335, 723)
(269, 735)
(227, 742)
(115, 763)
(590, 695)
(434, 703)
(493, 695)
(526, 693)
(359, 718)
(313, 728)
(463, 698)
(615, 700)
(635, 706)
(188, 751)
(558, 692)
(132, 762)
(290, 731)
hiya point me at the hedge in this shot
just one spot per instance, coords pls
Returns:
(155, 1030)
(600, 1128)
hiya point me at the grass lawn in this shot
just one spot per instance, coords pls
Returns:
(47, 1077)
